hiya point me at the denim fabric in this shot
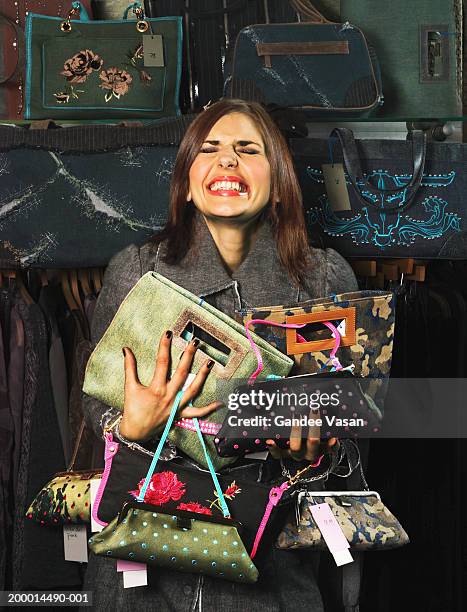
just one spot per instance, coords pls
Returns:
(288, 580)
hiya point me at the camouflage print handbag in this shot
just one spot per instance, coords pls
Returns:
(365, 320)
(366, 522)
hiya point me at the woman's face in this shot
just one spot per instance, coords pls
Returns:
(230, 178)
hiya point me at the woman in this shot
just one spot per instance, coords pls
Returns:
(236, 237)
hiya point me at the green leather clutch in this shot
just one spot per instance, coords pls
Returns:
(154, 305)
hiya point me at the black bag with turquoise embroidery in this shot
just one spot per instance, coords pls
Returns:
(82, 69)
(400, 198)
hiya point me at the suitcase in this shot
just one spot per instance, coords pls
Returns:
(12, 43)
(418, 44)
(384, 198)
(73, 197)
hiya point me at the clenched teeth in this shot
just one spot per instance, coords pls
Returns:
(228, 186)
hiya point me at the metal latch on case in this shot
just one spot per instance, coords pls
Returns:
(435, 45)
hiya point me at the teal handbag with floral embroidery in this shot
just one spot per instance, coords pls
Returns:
(82, 69)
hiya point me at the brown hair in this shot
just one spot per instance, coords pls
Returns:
(285, 211)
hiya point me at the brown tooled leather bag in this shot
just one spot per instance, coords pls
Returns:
(12, 19)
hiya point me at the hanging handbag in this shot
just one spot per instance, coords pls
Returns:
(419, 46)
(324, 68)
(404, 199)
(114, 179)
(366, 522)
(154, 305)
(12, 21)
(181, 521)
(81, 69)
(67, 497)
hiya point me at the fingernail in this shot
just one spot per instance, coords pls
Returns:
(195, 342)
(168, 334)
(210, 363)
(123, 351)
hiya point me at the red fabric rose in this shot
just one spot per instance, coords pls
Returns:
(194, 507)
(232, 491)
(164, 486)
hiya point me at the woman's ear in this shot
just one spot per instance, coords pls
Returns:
(188, 196)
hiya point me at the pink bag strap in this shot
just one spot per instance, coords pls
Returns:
(275, 495)
(111, 449)
(257, 352)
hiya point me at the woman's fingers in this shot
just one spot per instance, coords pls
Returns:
(161, 371)
(296, 447)
(183, 369)
(275, 451)
(131, 370)
(312, 448)
(194, 388)
(190, 411)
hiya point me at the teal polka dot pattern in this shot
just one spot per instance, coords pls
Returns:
(205, 548)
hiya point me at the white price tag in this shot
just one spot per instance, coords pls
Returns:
(135, 579)
(75, 540)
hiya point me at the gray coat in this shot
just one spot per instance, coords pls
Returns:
(287, 581)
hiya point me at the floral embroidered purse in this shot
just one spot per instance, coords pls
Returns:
(82, 69)
(187, 519)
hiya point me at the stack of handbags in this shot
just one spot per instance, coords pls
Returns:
(365, 321)
(154, 305)
(183, 518)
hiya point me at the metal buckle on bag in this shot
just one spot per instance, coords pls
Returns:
(183, 522)
(113, 424)
(142, 25)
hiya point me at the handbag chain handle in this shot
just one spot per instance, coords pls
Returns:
(354, 170)
(308, 12)
(165, 433)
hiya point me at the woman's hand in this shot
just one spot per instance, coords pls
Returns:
(303, 450)
(146, 409)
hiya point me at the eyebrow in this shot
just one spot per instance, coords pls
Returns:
(241, 143)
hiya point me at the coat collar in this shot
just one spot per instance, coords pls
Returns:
(259, 276)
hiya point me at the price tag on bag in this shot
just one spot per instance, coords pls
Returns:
(153, 51)
(332, 533)
(135, 578)
(75, 541)
(336, 187)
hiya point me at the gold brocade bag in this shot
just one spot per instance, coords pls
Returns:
(67, 497)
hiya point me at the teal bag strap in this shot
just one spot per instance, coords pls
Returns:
(225, 508)
(83, 14)
(133, 6)
(157, 454)
(155, 459)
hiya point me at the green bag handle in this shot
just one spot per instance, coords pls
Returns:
(83, 14)
(132, 7)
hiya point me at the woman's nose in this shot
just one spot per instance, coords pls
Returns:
(227, 159)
